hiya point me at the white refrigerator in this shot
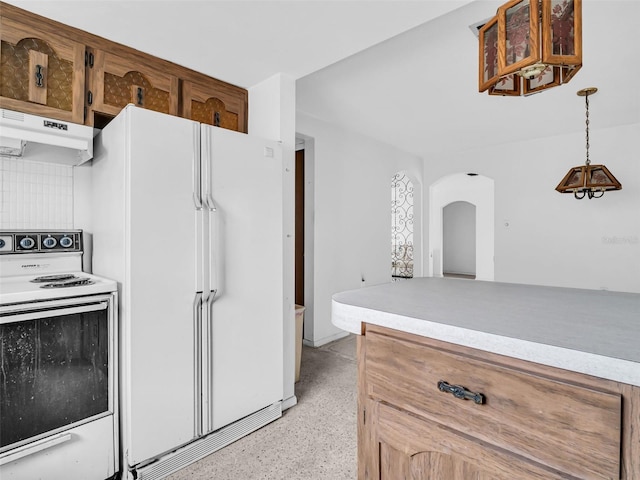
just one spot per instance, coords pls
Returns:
(188, 218)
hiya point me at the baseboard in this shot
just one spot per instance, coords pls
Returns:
(289, 402)
(325, 340)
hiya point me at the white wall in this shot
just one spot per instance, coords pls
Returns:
(547, 238)
(352, 216)
(272, 115)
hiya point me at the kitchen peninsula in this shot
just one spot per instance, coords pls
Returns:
(470, 379)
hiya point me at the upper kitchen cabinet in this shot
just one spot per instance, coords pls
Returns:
(42, 72)
(211, 101)
(54, 70)
(117, 79)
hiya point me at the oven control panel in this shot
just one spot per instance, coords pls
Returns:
(32, 241)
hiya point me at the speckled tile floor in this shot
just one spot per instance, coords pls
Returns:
(314, 440)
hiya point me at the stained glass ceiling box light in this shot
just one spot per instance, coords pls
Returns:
(530, 46)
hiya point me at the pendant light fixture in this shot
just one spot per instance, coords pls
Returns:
(588, 180)
(530, 46)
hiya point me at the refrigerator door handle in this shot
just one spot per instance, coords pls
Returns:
(197, 168)
(215, 255)
(197, 352)
(206, 382)
(206, 182)
(207, 165)
(210, 203)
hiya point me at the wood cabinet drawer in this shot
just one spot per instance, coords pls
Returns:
(565, 426)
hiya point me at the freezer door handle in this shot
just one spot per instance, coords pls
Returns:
(197, 169)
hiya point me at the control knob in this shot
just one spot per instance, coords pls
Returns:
(66, 242)
(27, 243)
(49, 242)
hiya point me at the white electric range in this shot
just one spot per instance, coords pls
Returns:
(58, 348)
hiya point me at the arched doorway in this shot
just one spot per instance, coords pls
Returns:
(477, 190)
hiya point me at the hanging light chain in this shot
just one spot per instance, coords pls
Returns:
(586, 103)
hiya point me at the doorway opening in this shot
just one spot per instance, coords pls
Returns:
(299, 228)
(459, 240)
(478, 191)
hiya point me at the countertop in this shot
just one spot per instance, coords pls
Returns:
(588, 331)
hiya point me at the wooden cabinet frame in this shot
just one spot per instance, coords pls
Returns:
(388, 435)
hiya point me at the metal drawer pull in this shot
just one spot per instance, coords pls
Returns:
(460, 392)
(35, 447)
(39, 76)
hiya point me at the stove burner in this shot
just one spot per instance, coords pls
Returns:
(54, 278)
(71, 282)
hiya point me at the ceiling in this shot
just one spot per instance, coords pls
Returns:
(245, 41)
(419, 90)
(403, 72)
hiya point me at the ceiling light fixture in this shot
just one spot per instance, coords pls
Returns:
(530, 45)
(588, 180)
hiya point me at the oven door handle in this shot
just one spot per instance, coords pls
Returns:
(35, 447)
(57, 312)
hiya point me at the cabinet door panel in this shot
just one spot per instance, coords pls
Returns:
(215, 103)
(115, 81)
(395, 464)
(416, 449)
(42, 73)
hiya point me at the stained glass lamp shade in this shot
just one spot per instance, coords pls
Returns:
(529, 46)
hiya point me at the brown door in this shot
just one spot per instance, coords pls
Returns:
(299, 247)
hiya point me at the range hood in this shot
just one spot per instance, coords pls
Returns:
(44, 139)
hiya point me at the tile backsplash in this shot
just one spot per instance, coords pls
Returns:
(35, 195)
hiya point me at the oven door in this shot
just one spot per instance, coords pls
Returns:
(57, 371)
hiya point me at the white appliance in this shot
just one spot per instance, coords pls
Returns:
(188, 219)
(58, 351)
(44, 139)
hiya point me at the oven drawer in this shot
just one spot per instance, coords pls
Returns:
(87, 452)
(564, 426)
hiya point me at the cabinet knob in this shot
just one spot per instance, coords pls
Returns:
(460, 392)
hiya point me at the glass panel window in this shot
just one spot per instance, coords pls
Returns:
(563, 27)
(54, 371)
(517, 32)
(401, 227)
(491, 52)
